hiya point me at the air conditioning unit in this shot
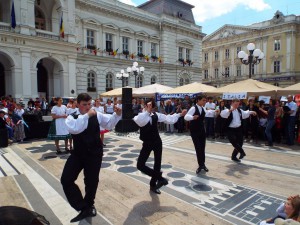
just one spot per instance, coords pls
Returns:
(179, 14)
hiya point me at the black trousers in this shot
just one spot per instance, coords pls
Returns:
(90, 164)
(235, 137)
(199, 140)
(154, 173)
(210, 126)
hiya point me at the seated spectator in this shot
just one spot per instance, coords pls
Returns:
(288, 210)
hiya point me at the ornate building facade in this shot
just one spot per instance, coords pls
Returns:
(278, 38)
(100, 38)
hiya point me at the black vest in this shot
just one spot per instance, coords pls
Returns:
(198, 124)
(88, 140)
(230, 118)
(149, 132)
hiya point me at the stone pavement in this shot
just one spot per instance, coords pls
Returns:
(230, 193)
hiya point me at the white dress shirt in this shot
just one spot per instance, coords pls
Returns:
(144, 117)
(236, 120)
(76, 126)
(190, 114)
(293, 106)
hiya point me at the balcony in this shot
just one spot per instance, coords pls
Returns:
(48, 35)
(5, 26)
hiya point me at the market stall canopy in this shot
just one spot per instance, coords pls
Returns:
(192, 88)
(290, 90)
(114, 93)
(250, 86)
(150, 90)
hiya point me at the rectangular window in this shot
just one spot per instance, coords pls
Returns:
(188, 54)
(140, 47)
(109, 44)
(238, 71)
(180, 53)
(216, 73)
(238, 49)
(90, 38)
(205, 74)
(125, 43)
(227, 53)
(276, 45)
(276, 66)
(205, 57)
(227, 72)
(153, 49)
(216, 55)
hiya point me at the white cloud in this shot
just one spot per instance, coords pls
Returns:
(129, 2)
(205, 10)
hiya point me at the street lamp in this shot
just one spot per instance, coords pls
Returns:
(122, 76)
(134, 70)
(254, 57)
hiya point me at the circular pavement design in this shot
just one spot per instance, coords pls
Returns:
(129, 155)
(109, 158)
(123, 162)
(127, 169)
(202, 187)
(180, 183)
(166, 166)
(176, 174)
(113, 153)
(105, 165)
(121, 149)
(126, 146)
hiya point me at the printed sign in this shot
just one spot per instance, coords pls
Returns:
(161, 96)
(230, 96)
(266, 99)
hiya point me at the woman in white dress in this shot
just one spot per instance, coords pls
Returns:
(71, 108)
(100, 108)
(58, 129)
(109, 107)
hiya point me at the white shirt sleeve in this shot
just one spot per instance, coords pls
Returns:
(168, 119)
(190, 114)
(76, 126)
(225, 113)
(142, 119)
(108, 121)
(245, 114)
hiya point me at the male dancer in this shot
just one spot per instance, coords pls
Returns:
(86, 155)
(234, 117)
(147, 121)
(196, 116)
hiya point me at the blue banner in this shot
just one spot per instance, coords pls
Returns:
(162, 96)
(13, 16)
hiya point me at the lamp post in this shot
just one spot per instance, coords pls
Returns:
(134, 70)
(122, 76)
(254, 57)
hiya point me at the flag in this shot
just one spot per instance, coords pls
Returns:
(13, 16)
(115, 52)
(61, 27)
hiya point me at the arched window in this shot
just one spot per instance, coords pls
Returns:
(184, 80)
(40, 22)
(139, 81)
(109, 82)
(153, 79)
(91, 81)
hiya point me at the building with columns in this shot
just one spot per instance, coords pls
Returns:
(278, 38)
(100, 38)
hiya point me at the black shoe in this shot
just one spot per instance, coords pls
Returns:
(242, 155)
(198, 170)
(155, 190)
(89, 212)
(267, 144)
(205, 168)
(161, 182)
(103, 145)
(235, 159)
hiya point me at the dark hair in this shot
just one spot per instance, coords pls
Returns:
(273, 102)
(198, 98)
(152, 102)
(235, 100)
(209, 98)
(83, 97)
(57, 98)
(295, 202)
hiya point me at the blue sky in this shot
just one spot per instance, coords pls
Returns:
(212, 14)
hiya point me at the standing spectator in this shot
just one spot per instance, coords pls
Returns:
(169, 110)
(19, 133)
(252, 121)
(99, 108)
(58, 129)
(290, 128)
(180, 122)
(278, 122)
(4, 125)
(270, 121)
(44, 106)
(135, 107)
(119, 104)
(210, 117)
(52, 103)
(109, 107)
(161, 109)
(37, 102)
(31, 102)
(220, 122)
(187, 103)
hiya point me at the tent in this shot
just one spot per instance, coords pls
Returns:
(189, 89)
(114, 93)
(250, 87)
(150, 90)
(290, 90)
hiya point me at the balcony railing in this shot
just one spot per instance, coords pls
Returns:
(5, 26)
(47, 34)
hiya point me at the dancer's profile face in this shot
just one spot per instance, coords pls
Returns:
(84, 106)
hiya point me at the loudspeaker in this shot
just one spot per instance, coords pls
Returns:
(32, 117)
(127, 112)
